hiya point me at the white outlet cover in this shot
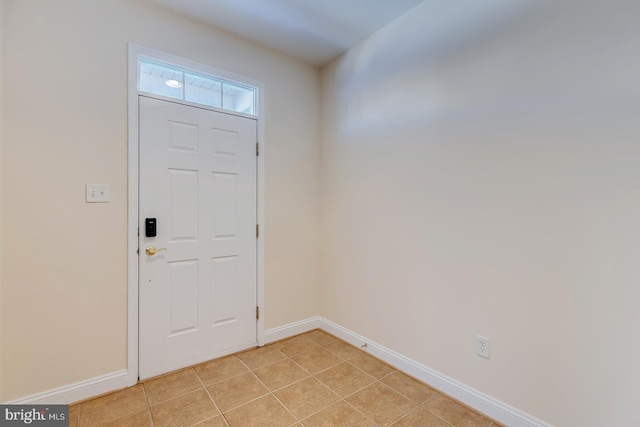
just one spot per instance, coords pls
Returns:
(483, 347)
(98, 193)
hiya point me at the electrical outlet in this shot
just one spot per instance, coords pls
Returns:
(483, 347)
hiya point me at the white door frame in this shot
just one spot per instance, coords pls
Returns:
(135, 51)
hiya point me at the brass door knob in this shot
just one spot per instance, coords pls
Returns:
(151, 250)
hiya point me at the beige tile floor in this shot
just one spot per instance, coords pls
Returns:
(312, 379)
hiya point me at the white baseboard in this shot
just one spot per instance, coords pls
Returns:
(286, 331)
(481, 402)
(118, 380)
(79, 391)
(486, 404)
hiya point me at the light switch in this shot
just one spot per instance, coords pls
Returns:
(97, 193)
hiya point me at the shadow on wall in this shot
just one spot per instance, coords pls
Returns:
(449, 72)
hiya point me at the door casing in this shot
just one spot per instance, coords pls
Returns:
(136, 51)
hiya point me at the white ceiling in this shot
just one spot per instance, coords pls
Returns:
(313, 31)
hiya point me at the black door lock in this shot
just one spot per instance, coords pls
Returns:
(150, 229)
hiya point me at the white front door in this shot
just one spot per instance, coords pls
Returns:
(198, 180)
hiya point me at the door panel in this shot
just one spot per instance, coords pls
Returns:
(198, 178)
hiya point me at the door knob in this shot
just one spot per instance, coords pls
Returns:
(151, 250)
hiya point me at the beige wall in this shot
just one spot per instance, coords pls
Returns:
(65, 267)
(480, 175)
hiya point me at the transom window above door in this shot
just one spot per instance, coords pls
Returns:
(179, 83)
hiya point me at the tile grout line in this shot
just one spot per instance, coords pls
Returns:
(329, 405)
(342, 359)
(291, 358)
(268, 346)
(348, 361)
(360, 389)
(251, 371)
(343, 399)
(376, 380)
(453, 400)
(212, 399)
(414, 410)
(360, 412)
(431, 412)
(225, 379)
(311, 375)
(161, 402)
(395, 420)
(276, 397)
(248, 401)
(434, 414)
(79, 414)
(146, 400)
(265, 386)
(288, 385)
(416, 405)
(192, 391)
(355, 348)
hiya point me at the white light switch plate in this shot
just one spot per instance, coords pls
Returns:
(97, 193)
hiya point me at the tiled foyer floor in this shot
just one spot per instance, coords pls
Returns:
(312, 379)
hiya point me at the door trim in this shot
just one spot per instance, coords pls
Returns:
(133, 173)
